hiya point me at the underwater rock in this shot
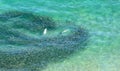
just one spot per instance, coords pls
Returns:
(28, 52)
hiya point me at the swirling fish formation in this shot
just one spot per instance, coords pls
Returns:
(19, 50)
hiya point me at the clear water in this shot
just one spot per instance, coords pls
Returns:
(100, 17)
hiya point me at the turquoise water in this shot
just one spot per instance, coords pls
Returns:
(99, 17)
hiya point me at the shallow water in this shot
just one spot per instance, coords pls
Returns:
(100, 17)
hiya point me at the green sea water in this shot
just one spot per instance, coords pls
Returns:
(100, 17)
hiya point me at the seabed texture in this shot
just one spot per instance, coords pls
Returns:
(26, 48)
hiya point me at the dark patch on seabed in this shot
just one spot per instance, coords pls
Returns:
(48, 49)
